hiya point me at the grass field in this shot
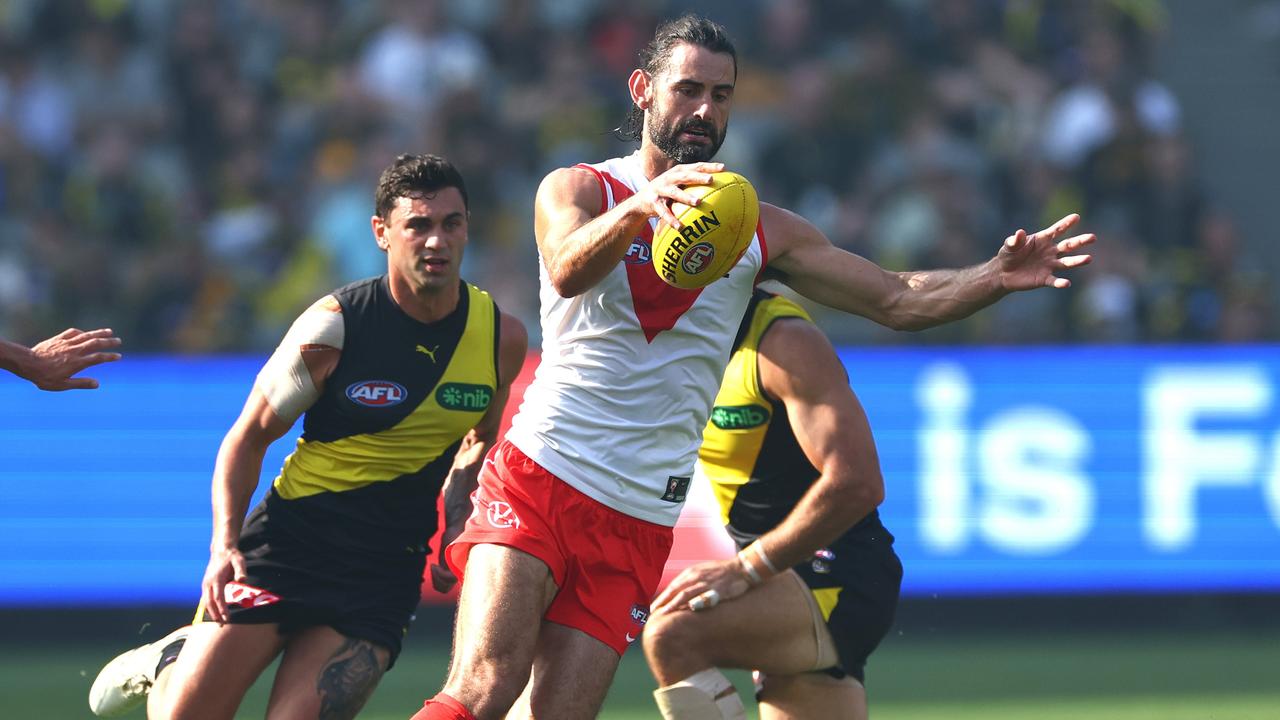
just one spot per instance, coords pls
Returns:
(1152, 674)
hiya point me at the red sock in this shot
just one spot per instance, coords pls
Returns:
(443, 707)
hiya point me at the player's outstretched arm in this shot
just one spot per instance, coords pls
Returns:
(803, 258)
(51, 364)
(799, 367)
(579, 243)
(462, 478)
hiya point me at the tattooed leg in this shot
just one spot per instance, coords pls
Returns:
(325, 675)
(348, 679)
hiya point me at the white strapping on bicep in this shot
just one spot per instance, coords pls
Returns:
(284, 380)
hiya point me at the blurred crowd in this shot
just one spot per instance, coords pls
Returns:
(194, 173)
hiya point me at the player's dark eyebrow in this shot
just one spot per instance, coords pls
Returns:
(421, 217)
(694, 84)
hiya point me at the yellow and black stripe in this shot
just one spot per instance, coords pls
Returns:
(378, 444)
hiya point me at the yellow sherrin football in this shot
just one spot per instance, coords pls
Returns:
(715, 234)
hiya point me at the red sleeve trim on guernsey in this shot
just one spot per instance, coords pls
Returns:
(443, 707)
(604, 191)
(764, 251)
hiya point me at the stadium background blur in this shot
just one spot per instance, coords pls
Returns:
(192, 174)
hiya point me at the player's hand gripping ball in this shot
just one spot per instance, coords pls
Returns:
(715, 234)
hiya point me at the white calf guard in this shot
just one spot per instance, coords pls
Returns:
(706, 695)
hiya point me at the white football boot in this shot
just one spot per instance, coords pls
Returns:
(123, 683)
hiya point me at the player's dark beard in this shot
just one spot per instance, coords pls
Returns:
(664, 135)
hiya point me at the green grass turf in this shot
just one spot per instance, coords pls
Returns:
(1154, 675)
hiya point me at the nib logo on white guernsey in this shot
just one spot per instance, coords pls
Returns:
(501, 515)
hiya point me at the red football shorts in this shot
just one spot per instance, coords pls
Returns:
(606, 564)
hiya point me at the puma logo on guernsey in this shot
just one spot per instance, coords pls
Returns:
(429, 353)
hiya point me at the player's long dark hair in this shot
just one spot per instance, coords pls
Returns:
(691, 29)
(416, 176)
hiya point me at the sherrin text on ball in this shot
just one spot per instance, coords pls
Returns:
(714, 235)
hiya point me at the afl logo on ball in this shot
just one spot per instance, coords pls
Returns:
(638, 253)
(696, 258)
(376, 393)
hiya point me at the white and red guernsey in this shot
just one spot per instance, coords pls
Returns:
(629, 371)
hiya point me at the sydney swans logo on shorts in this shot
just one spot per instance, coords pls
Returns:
(376, 393)
(502, 515)
(639, 253)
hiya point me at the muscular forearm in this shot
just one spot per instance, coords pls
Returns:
(457, 495)
(463, 478)
(933, 297)
(235, 477)
(588, 253)
(899, 300)
(827, 510)
(15, 358)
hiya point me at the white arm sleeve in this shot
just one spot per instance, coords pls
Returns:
(284, 380)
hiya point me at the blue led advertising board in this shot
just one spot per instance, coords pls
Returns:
(1029, 470)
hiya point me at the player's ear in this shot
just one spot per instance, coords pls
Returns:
(379, 231)
(640, 85)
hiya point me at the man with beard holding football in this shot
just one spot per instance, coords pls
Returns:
(575, 508)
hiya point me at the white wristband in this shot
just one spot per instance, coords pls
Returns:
(764, 558)
(753, 575)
